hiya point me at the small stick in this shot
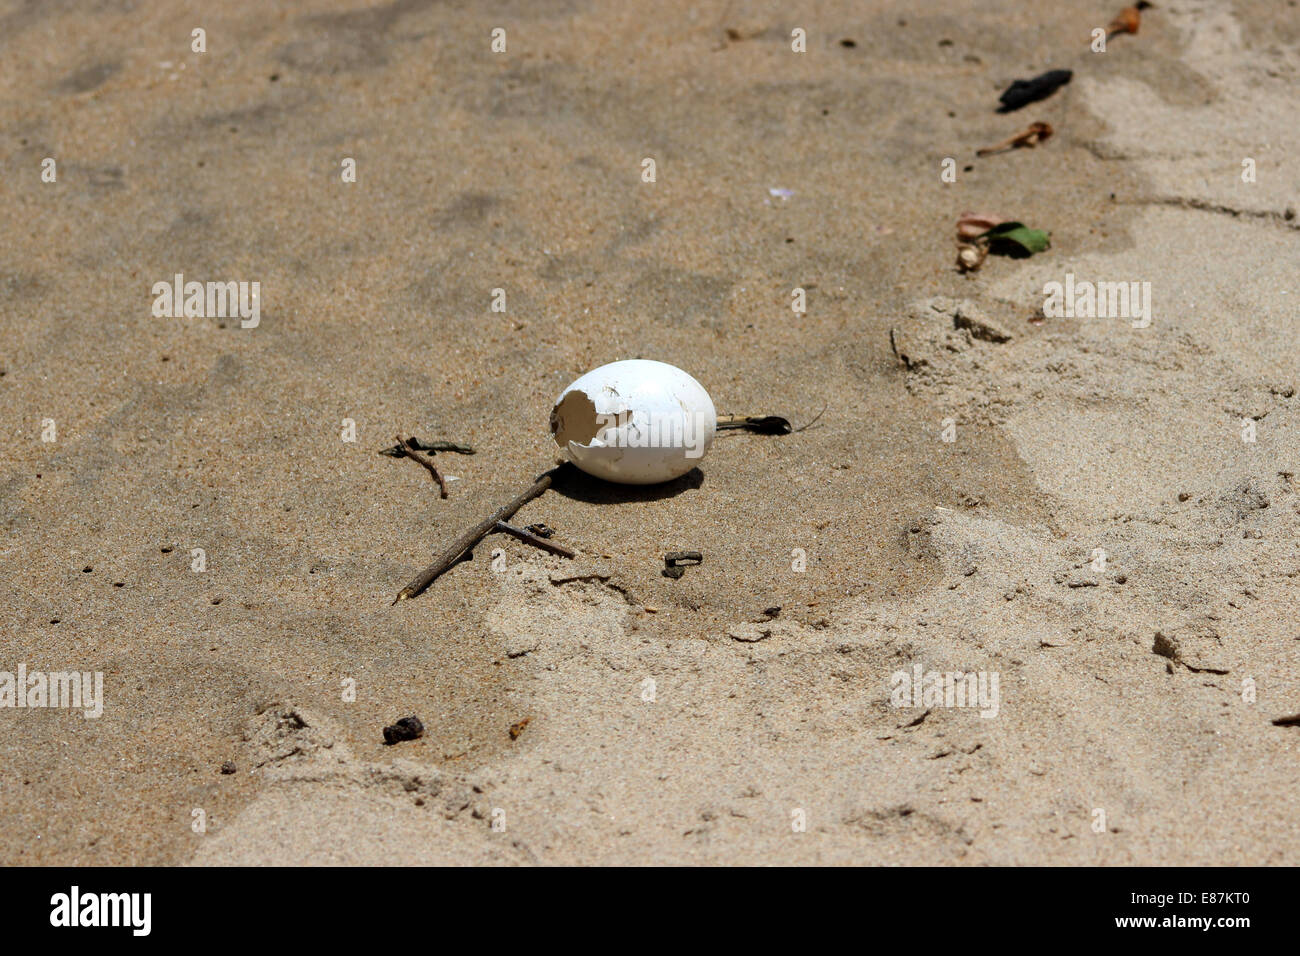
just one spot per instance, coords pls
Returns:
(529, 538)
(441, 446)
(473, 536)
(1035, 134)
(764, 424)
(1128, 20)
(408, 448)
(399, 451)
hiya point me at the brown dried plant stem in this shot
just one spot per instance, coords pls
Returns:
(529, 538)
(408, 448)
(474, 535)
(1035, 134)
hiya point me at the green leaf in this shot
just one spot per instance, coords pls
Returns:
(1030, 240)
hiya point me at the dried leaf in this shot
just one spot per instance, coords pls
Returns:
(1126, 21)
(971, 225)
(1023, 92)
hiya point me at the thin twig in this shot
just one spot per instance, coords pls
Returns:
(399, 450)
(815, 420)
(474, 535)
(529, 538)
(408, 448)
(1035, 134)
(765, 424)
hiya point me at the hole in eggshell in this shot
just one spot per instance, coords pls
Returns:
(574, 420)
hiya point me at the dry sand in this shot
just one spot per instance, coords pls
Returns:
(521, 171)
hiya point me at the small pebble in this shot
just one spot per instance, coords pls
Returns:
(408, 728)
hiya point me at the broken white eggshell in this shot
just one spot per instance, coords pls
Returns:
(636, 422)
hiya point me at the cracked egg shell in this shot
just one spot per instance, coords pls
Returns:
(636, 422)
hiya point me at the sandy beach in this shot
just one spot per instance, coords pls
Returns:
(1099, 514)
